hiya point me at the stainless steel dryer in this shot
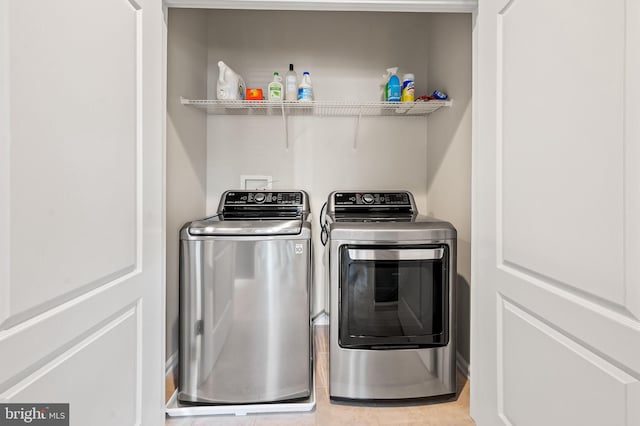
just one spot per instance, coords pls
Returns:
(392, 281)
(245, 277)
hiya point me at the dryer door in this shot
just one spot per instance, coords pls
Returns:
(394, 296)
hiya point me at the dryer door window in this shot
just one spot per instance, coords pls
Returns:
(393, 296)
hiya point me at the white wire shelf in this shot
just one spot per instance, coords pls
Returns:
(317, 108)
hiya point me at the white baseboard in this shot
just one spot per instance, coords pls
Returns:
(463, 365)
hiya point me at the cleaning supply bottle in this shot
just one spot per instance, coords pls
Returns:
(408, 88)
(305, 91)
(230, 84)
(393, 86)
(384, 84)
(291, 84)
(275, 88)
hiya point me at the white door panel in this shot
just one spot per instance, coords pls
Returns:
(81, 213)
(61, 327)
(556, 185)
(632, 159)
(526, 397)
(556, 214)
(602, 327)
(73, 149)
(108, 395)
(5, 163)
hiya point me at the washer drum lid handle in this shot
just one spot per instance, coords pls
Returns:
(246, 227)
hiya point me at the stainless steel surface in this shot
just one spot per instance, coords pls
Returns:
(378, 224)
(404, 254)
(389, 374)
(215, 226)
(245, 311)
(419, 228)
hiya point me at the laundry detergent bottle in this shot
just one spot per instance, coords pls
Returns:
(305, 90)
(230, 84)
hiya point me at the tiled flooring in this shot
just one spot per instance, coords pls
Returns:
(455, 413)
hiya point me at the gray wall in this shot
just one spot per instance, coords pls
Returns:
(345, 64)
(429, 156)
(186, 148)
(449, 148)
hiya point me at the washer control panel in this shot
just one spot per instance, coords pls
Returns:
(394, 199)
(261, 197)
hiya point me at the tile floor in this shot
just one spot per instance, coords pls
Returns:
(329, 413)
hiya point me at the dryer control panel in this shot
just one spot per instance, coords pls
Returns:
(372, 199)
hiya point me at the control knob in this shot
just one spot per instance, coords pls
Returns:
(367, 199)
(259, 197)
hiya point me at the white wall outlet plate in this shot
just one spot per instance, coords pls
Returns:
(257, 182)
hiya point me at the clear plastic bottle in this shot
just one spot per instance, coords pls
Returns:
(305, 90)
(291, 84)
(275, 88)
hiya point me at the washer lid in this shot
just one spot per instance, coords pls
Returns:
(216, 226)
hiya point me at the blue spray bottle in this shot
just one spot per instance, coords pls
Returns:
(393, 87)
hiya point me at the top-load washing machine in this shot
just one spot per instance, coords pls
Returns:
(392, 281)
(245, 277)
